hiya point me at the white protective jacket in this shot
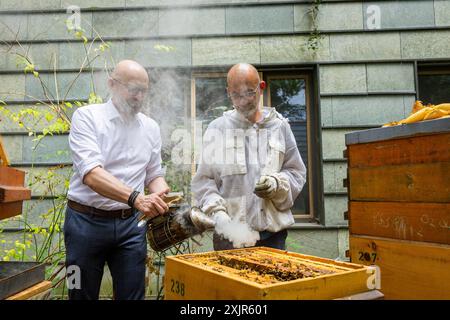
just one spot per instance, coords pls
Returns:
(235, 153)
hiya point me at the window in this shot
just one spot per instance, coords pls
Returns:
(434, 84)
(209, 96)
(289, 93)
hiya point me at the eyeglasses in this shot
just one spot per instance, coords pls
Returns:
(133, 90)
(247, 95)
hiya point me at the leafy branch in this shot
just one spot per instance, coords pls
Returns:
(50, 114)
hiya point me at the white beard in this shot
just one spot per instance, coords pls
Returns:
(126, 110)
(246, 113)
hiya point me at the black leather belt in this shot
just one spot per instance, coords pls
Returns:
(123, 214)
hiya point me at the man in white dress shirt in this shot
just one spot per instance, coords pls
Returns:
(116, 152)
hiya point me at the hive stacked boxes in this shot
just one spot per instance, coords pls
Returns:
(399, 207)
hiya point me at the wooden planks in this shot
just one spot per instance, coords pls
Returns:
(12, 192)
(10, 209)
(184, 281)
(409, 270)
(4, 160)
(427, 182)
(320, 288)
(414, 169)
(32, 291)
(412, 150)
(11, 176)
(428, 222)
(399, 211)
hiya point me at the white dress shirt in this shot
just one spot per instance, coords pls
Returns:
(130, 152)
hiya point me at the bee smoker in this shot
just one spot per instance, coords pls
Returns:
(169, 229)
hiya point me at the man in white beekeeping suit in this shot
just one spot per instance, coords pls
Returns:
(250, 169)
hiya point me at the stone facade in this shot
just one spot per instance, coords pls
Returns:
(367, 76)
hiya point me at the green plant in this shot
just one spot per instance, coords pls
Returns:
(40, 237)
(315, 36)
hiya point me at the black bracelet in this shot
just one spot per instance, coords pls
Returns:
(132, 198)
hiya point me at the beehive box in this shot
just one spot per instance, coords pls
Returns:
(12, 192)
(399, 206)
(261, 273)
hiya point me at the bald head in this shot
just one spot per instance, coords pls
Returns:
(243, 87)
(128, 85)
(243, 74)
(129, 71)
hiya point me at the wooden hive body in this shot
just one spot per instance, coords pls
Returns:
(189, 277)
(399, 207)
(12, 190)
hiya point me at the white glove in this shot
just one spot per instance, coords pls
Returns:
(221, 217)
(200, 220)
(266, 187)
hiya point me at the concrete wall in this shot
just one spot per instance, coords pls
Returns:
(366, 77)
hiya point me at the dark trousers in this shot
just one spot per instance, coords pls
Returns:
(92, 241)
(275, 240)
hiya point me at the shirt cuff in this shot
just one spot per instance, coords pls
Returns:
(86, 166)
(153, 177)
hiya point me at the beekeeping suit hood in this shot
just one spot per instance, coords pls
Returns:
(235, 154)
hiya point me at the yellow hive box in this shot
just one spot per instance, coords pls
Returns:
(262, 273)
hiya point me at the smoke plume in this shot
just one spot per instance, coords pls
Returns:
(238, 232)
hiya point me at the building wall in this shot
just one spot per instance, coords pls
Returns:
(367, 77)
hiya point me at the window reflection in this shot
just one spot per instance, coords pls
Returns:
(434, 88)
(288, 97)
(211, 98)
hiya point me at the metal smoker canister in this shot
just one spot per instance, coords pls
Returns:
(165, 231)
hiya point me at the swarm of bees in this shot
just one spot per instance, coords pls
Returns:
(261, 266)
(420, 113)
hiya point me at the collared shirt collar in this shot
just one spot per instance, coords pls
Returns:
(111, 110)
(112, 113)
